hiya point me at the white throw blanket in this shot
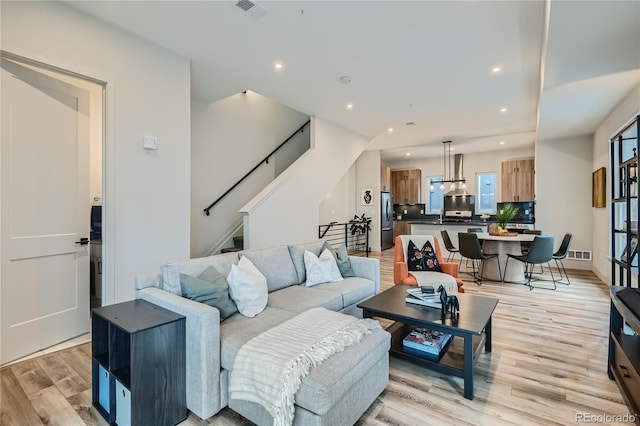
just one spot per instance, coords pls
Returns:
(269, 368)
(435, 279)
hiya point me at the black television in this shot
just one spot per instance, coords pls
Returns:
(96, 219)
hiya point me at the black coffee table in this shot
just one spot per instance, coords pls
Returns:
(471, 327)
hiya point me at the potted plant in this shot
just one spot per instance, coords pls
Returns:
(360, 224)
(503, 216)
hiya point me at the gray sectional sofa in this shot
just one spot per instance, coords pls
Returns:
(334, 393)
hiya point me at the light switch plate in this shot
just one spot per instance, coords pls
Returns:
(150, 142)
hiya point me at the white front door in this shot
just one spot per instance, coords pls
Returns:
(44, 211)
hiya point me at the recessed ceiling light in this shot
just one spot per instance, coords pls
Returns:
(450, 149)
(408, 154)
(390, 129)
(496, 69)
(349, 105)
(278, 66)
(501, 142)
(503, 109)
(345, 79)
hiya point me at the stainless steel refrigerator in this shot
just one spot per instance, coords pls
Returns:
(386, 221)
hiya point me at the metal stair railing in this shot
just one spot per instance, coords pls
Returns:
(338, 233)
(265, 160)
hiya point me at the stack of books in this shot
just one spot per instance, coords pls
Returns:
(416, 296)
(425, 343)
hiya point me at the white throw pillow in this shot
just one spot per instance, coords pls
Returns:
(323, 269)
(248, 288)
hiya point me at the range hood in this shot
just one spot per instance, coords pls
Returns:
(459, 188)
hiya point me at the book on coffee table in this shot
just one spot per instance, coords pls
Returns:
(427, 344)
(414, 295)
(426, 340)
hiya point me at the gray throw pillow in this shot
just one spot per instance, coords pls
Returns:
(342, 259)
(210, 288)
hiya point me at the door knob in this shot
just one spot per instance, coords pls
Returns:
(83, 241)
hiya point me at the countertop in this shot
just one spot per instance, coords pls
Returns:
(445, 223)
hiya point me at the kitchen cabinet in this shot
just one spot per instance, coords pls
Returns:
(401, 227)
(406, 186)
(518, 180)
(385, 178)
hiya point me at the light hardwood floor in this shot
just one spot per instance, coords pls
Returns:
(547, 367)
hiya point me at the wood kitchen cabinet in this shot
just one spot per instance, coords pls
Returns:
(385, 178)
(518, 180)
(406, 186)
(401, 227)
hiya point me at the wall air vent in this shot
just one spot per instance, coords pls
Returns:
(251, 9)
(579, 255)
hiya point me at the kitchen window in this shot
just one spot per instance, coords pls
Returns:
(434, 195)
(486, 199)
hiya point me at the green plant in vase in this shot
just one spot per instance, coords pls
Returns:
(504, 216)
(360, 224)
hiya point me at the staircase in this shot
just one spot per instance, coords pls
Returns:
(238, 245)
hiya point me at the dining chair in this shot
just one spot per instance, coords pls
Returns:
(541, 251)
(524, 245)
(561, 254)
(469, 247)
(449, 245)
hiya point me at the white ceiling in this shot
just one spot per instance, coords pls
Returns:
(427, 62)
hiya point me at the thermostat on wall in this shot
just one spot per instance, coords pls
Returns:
(150, 142)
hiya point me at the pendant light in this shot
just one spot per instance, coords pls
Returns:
(446, 170)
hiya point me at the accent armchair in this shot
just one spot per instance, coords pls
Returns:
(401, 273)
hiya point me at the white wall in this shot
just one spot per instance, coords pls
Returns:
(146, 193)
(563, 192)
(287, 211)
(629, 107)
(229, 137)
(477, 162)
(343, 202)
(368, 176)
(339, 205)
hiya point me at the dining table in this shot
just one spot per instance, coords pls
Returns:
(503, 245)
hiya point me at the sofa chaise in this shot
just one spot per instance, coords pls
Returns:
(336, 392)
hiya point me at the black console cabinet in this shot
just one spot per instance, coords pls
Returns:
(624, 351)
(139, 364)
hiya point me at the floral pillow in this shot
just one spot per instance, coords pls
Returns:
(423, 259)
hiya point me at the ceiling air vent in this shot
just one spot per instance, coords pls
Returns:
(252, 9)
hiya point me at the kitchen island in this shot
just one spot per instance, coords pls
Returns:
(420, 227)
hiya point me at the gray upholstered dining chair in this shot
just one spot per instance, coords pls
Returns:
(469, 247)
(524, 245)
(541, 251)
